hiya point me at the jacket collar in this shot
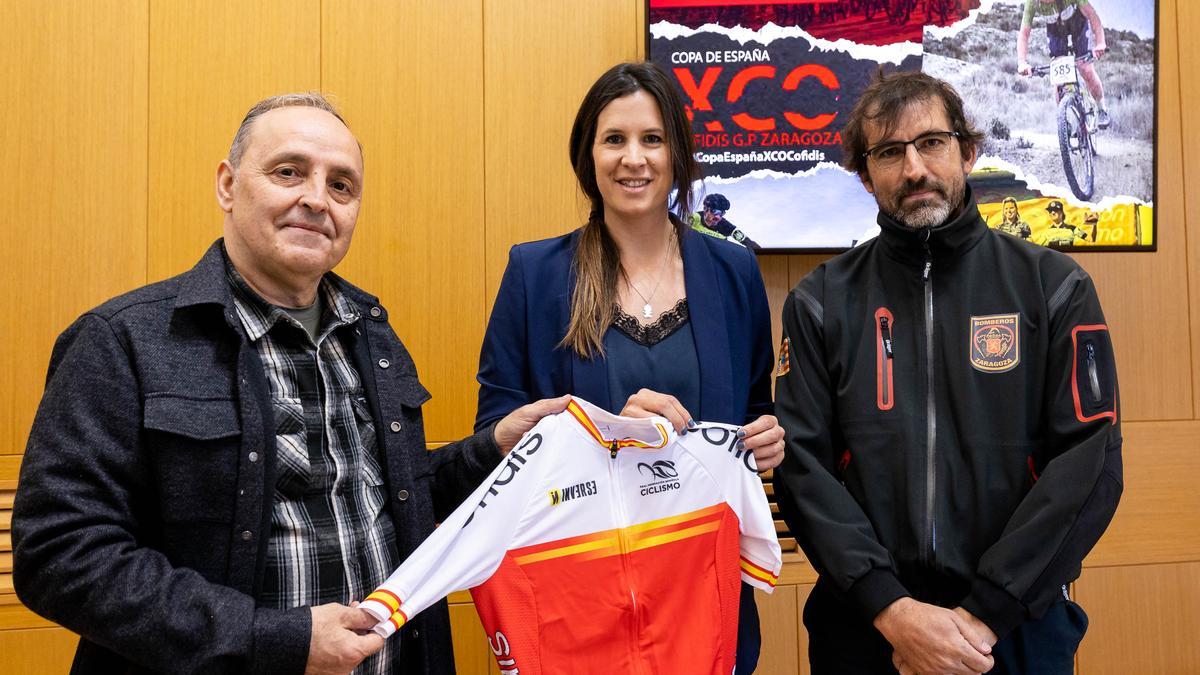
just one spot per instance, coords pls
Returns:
(948, 240)
(207, 284)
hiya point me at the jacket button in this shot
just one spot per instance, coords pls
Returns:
(375, 311)
(253, 457)
(396, 426)
(416, 634)
(384, 363)
(247, 535)
(402, 495)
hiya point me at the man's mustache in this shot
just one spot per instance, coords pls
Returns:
(924, 184)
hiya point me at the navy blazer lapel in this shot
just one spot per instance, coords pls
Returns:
(706, 311)
(589, 378)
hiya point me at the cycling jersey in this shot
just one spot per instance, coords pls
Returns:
(1062, 10)
(602, 544)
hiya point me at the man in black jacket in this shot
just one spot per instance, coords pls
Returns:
(950, 398)
(224, 460)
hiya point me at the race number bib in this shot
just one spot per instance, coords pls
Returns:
(1062, 70)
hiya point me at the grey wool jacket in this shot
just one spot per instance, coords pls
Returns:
(145, 494)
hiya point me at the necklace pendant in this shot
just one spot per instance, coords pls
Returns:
(646, 311)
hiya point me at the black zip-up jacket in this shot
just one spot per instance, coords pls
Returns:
(950, 401)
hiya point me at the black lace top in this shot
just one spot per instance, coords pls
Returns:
(653, 333)
(660, 356)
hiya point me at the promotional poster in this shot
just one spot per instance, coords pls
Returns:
(1063, 90)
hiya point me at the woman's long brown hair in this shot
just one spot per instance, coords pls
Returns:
(597, 261)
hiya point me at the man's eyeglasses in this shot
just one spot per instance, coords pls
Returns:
(933, 145)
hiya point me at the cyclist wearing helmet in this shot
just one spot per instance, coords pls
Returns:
(1010, 220)
(711, 221)
(1074, 19)
(1060, 233)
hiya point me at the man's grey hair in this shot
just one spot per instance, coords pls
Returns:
(309, 99)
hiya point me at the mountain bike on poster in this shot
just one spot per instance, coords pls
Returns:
(1077, 124)
(941, 11)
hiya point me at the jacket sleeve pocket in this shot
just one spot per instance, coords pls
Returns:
(1094, 380)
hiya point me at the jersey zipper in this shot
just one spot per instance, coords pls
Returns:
(614, 471)
(930, 414)
(1093, 375)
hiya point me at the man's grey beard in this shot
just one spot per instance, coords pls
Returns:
(927, 212)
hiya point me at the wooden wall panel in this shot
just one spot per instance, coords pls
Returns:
(1143, 619)
(471, 653)
(73, 136)
(409, 76)
(209, 62)
(1187, 53)
(1158, 519)
(779, 616)
(37, 651)
(1141, 292)
(541, 58)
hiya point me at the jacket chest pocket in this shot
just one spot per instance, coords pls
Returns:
(194, 445)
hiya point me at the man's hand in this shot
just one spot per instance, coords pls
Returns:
(1099, 50)
(648, 403)
(763, 437)
(928, 639)
(341, 639)
(518, 422)
(1024, 68)
(986, 638)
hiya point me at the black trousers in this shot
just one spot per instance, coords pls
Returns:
(842, 642)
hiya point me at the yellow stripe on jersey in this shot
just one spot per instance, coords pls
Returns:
(597, 545)
(634, 537)
(660, 539)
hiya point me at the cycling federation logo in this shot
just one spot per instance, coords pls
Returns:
(995, 342)
(664, 476)
(573, 492)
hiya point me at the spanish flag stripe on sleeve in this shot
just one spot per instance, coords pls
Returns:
(758, 572)
(388, 598)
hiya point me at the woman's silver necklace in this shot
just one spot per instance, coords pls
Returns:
(647, 310)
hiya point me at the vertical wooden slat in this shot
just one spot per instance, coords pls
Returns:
(409, 76)
(73, 138)
(540, 57)
(209, 62)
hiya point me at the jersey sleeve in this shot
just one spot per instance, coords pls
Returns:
(465, 550)
(741, 488)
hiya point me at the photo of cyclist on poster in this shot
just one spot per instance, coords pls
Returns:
(1064, 91)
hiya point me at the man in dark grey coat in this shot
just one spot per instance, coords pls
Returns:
(223, 460)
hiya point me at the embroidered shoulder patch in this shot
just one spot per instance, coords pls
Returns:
(995, 342)
(785, 358)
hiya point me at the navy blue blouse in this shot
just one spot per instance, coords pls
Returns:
(660, 356)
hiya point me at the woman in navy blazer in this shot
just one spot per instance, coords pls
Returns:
(631, 146)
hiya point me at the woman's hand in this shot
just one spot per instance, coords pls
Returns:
(763, 437)
(648, 403)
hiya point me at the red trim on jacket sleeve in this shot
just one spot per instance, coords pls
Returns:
(1110, 414)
